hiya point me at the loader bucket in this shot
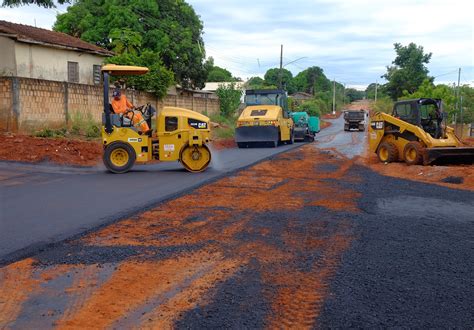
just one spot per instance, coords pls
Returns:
(457, 155)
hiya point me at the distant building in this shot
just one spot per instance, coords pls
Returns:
(213, 86)
(301, 96)
(31, 52)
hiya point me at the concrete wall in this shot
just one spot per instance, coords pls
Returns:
(39, 62)
(28, 104)
(7, 57)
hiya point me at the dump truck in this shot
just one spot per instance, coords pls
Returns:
(416, 132)
(265, 119)
(305, 126)
(180, 134)
(354, 119)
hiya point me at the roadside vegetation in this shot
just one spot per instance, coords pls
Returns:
(408, 78)
(80, 127)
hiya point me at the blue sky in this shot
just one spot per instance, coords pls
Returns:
(351, 40)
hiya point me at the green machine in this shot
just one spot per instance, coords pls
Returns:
(305, 126)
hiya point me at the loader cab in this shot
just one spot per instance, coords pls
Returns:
(426, 113)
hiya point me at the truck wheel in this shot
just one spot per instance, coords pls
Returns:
(119, 157)
(387, 152)
(413, 153)
(195, 158)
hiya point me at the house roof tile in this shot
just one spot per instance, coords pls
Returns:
(31, 34)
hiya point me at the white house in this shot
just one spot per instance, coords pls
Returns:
(30, 52)
(213, 86)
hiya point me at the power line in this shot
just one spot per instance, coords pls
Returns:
(445, 74)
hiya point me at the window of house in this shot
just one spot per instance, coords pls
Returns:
(171, 124)
(73, 72)
(96, 74)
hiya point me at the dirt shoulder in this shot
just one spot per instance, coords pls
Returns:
(24, 148)
(454, 176)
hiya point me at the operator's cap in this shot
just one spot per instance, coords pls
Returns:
(116, 93)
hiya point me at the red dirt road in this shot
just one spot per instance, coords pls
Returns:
(153, 269)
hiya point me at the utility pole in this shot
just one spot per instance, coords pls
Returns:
(462, 119)
(344, 94)
(376, 86)
(281, 68)
(334, 96)
(457, 97)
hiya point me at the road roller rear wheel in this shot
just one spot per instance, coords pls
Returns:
(195, 158)
(119, 157)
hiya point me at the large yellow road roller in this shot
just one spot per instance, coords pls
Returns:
(180, 134)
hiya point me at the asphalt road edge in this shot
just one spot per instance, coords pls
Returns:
(34, 248)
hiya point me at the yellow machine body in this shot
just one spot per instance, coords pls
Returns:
(394, 139)
(377, 136)
(180, 134)
(263, 123)
(177, 130)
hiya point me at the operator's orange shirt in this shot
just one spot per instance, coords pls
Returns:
(121, 105)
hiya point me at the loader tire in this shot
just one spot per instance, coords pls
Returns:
(119, 157)
(413, 153)
(387, 152)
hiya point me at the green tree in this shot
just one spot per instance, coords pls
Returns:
(255, 83)
(168, 28)
(353, 94)
(125, 41)
(370, 91)
(41, 3)
(312, 81)
(157, 80)
(272, 78)
(229, 97)
(216, 73)
(408, 70)
(312, 107)
(467, 94)
(443, 92)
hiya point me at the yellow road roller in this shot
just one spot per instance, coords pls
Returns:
(265, 119)
(179, 134)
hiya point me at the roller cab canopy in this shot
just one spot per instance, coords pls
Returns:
(265, 112)
(181, 112)
(124, 70)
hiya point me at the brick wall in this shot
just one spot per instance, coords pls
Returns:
(41, 104)
(30, 104)
(6, 106)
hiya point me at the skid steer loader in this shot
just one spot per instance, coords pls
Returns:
(416, 133)
(180, 134)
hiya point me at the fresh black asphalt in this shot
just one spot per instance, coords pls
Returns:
(411, 263)
(44, 204)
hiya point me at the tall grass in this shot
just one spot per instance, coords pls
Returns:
(80, 125)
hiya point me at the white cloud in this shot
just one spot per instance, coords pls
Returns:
(351, 40)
